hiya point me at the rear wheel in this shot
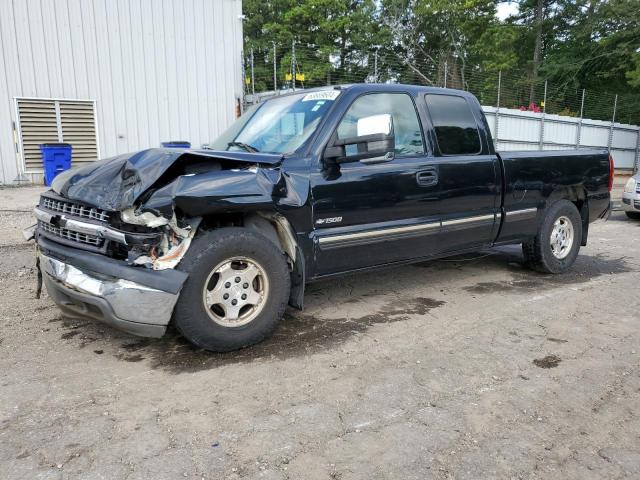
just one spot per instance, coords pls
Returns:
(237, 290)
(633, 215)
(557, 242)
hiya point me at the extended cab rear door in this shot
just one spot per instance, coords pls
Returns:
(469, 177)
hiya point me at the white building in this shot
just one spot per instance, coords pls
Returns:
(113, 76)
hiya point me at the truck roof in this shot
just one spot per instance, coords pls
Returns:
(372, 87)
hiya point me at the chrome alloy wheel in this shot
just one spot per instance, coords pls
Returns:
(561, 237)
(235, 292)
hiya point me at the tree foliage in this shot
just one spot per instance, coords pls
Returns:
(581, 44)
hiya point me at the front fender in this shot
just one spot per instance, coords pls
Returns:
(222, 191)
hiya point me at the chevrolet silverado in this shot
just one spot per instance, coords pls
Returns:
(303, 187)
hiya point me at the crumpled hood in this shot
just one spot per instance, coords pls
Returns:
(116, 183)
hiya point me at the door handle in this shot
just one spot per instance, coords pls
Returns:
(427, 177)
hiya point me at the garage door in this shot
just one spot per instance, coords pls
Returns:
(49, 121)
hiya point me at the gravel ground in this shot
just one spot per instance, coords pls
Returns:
(471, 367)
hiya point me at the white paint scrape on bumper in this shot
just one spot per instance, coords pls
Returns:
(123, 304)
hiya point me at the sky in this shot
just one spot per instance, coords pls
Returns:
(505, 9)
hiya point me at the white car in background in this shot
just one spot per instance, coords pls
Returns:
(631, 197)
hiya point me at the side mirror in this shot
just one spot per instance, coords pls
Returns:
(375, 124)
(374, 142)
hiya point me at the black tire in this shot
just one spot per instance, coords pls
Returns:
(209, 249)
(538, 253)
(633, 215)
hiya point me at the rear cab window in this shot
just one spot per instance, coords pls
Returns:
(455, 126)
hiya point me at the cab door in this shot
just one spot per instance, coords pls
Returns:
(470, 180)
(373, 212)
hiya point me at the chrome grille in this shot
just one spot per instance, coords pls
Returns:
(74, 209)
(71, 235)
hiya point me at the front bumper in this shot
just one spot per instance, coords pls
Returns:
(631, 201)
(91, 286)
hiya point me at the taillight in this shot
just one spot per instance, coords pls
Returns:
(610, 172)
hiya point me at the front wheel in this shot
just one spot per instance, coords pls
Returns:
(633, 215)
(237, 290)
(557, 242)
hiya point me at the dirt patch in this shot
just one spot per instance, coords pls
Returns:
(452, 393)
(550, 361)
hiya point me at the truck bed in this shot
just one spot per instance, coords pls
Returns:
(532, 178)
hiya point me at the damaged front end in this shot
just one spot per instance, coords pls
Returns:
(171, 245)
(145, 208)
(145, 240)
(110, 235)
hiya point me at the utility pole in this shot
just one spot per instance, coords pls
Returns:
(275, 81)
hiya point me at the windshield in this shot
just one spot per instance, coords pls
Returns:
(279, 125)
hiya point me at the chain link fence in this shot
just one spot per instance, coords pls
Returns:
(284, 68)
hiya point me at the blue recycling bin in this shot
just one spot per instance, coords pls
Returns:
(56, 158)
(176, 144)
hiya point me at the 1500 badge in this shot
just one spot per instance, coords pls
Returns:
(324, 221)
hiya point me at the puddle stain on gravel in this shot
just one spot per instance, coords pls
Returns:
(129, 358)
(70, 334)
(297, 334)
(586, 268)
(550, 361)
(75, 327)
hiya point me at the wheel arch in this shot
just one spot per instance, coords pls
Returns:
(578, 196)
(280, 232)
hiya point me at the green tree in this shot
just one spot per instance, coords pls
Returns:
(574, 44)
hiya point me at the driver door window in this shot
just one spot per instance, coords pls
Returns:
(406, 127)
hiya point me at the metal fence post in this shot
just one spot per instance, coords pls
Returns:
(496, 120)
(375, 64)
(293, 64)
(275, 75)
(244, 83)
(446, 71)
(636, 165)
(613, 121)
(253, 79)
(544, 111)
(579, 130)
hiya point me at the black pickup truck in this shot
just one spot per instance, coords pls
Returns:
(300, 188)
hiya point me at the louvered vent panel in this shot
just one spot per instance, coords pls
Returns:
(78, 129)
(39, 124)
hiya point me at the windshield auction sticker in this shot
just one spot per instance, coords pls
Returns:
(321, 95)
